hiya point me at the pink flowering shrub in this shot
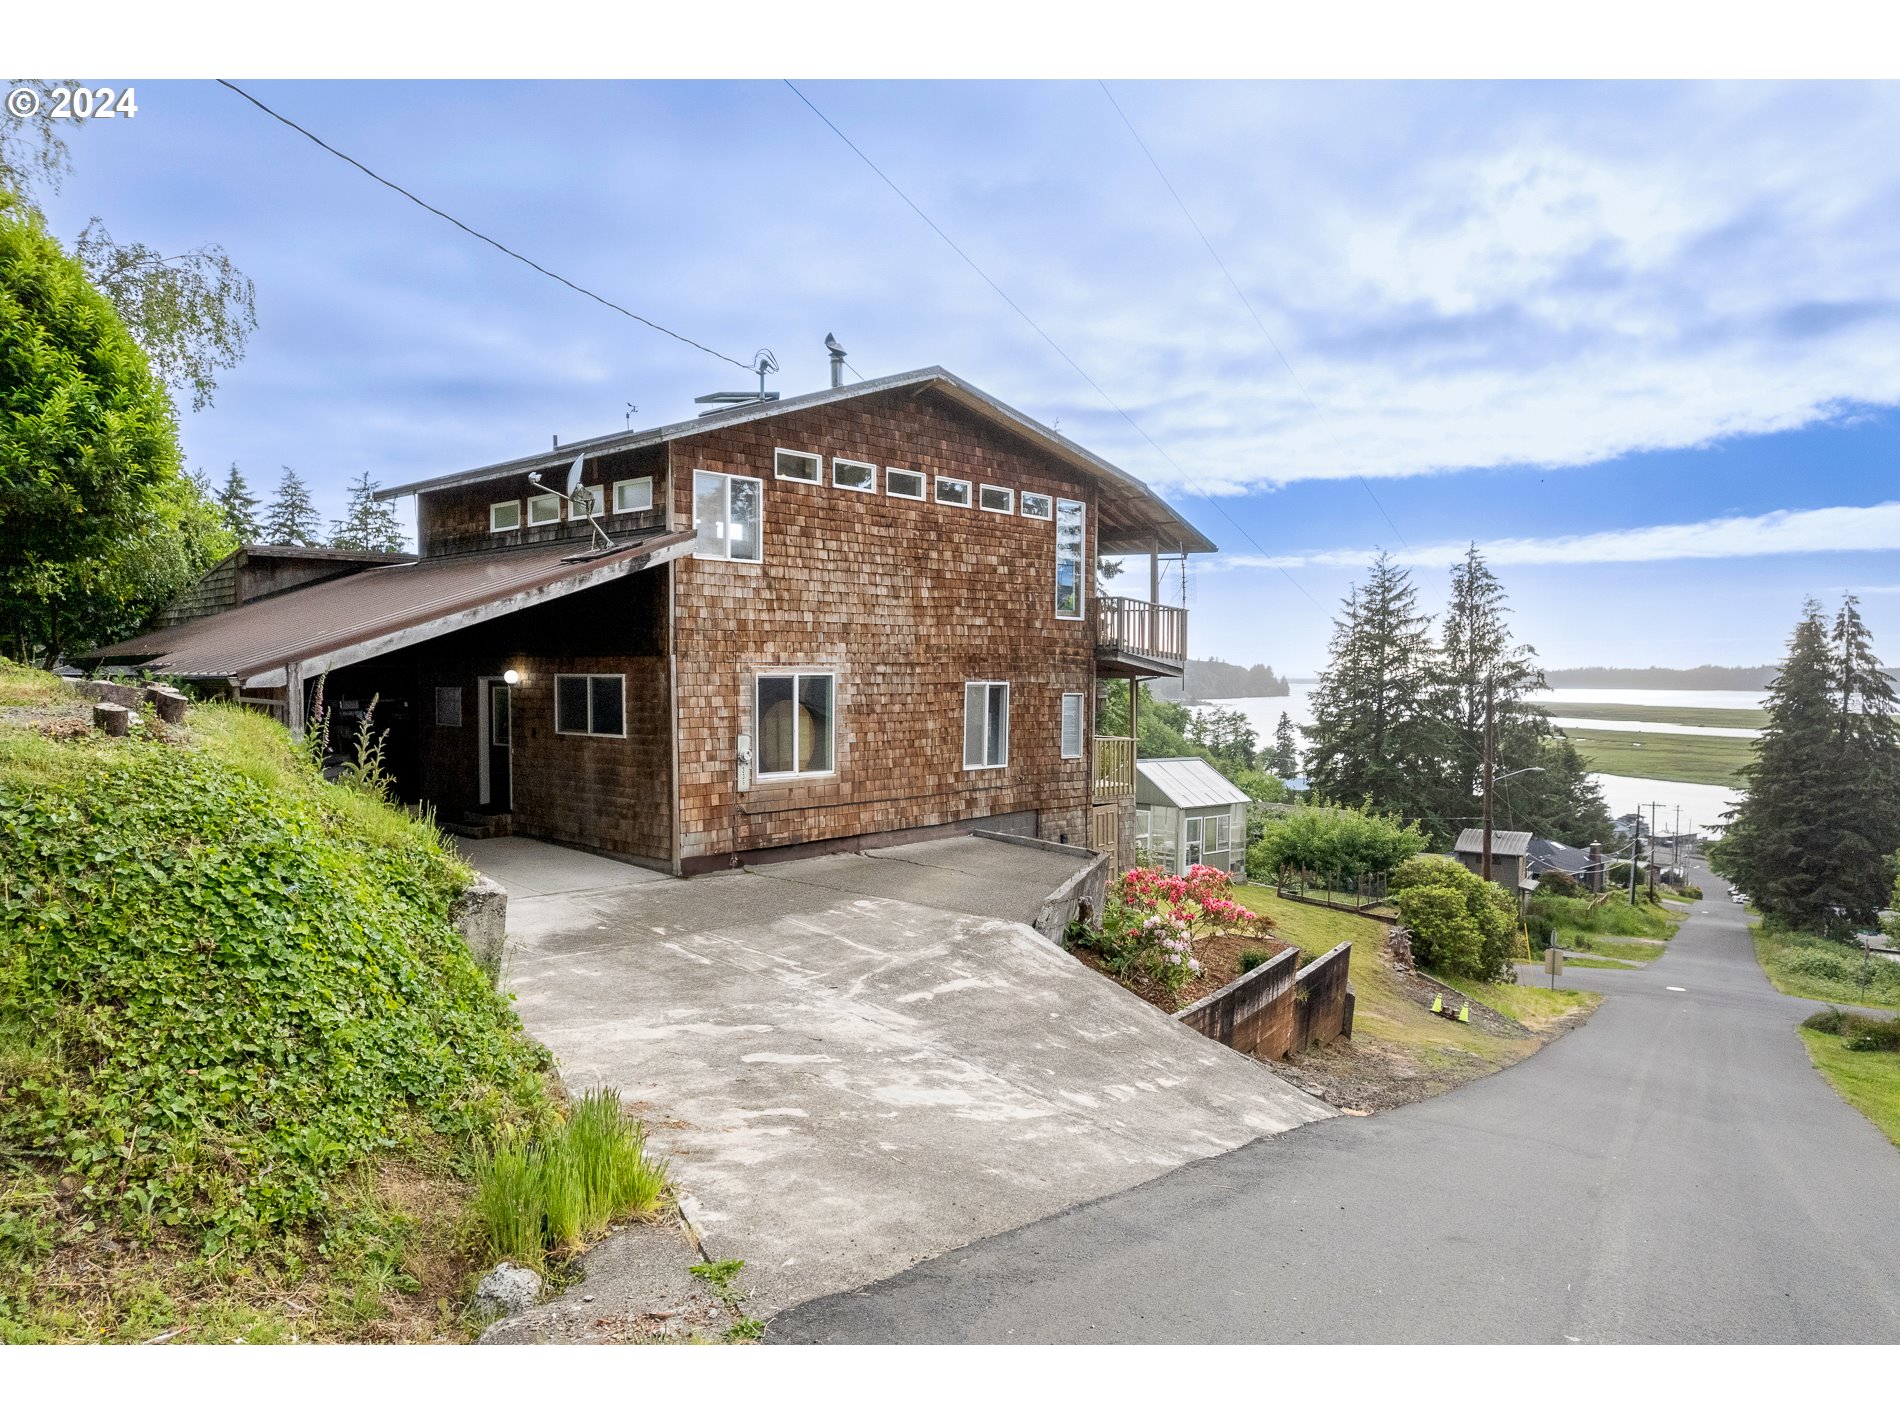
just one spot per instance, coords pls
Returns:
(1152, 918)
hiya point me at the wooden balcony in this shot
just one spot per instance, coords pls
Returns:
(1114, 768)
(1134, 638)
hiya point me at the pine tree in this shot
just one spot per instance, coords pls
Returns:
(292, 517)
(1286, 752)
(1477, 655)
(1787, 834)
(369, 523)
(1368, 740)
(239, 507)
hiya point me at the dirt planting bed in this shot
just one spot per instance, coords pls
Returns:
(1220, 957)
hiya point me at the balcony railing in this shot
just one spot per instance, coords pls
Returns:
(1144, 632)
(1114, 767)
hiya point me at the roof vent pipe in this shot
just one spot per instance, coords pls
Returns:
(837, 360)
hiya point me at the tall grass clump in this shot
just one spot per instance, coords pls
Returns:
(561, 1192)
(508, 1203)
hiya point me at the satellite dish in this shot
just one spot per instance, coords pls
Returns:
(574, 474)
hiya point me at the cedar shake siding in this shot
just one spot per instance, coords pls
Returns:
(885, 606)
(455, 520)
(903, 601)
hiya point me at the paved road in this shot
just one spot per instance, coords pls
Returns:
(1673, 1171)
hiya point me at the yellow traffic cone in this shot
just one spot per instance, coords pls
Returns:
(1438, 1004)
(1464, 1012)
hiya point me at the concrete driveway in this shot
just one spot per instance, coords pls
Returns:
(848, 1081)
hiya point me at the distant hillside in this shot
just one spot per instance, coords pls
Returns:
(1209, 678)
(1707, 675)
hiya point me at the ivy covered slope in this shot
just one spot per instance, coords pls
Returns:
(232, 1013)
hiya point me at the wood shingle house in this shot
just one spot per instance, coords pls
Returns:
(833, 621)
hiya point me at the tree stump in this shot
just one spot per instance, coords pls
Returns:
(124, 694)
(112, 719)
(168, 703)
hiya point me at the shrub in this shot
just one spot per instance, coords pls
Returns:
(1560, 883)
(1816, 962)
(1254, 959)
(1150, 919)
(1828, 1021)
(1333, 842)
(1459, 923)
(1875, 1036)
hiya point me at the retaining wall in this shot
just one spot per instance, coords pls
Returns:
(1276, 1008)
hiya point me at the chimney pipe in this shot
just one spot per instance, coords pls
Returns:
(837, 360)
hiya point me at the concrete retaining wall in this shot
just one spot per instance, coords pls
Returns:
(1276, 1008)
(480, 916)
(1079, 897)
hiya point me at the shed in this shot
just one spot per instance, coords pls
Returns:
(1187, 813)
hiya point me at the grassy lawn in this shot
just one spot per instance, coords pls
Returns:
(1388, 1021)
(1666, 756)
(1812, 968)
(1871, 1082)
(1751, 718)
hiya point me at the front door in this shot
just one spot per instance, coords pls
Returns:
(497, 793)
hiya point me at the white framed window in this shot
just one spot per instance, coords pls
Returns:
(448, 707)
(997, 499)
(1072, 705)
(985, 725)
(952, 491)
(1218, 829)
(631, 496)
(728, 517)
(544, 509)
(903, 484)
(590, 704)
(1071, 567)
(853, 474)
(588, 500)
(504, 515)
(1038, 507)
(794, 724)
(799, 466)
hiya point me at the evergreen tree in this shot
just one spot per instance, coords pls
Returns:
(1368, 741)
(1811, 837)
(292, 517)
(1286, 752)
(369, 523)
(239, 507)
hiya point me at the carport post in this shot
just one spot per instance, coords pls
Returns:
(293, 697)
(1134, 702)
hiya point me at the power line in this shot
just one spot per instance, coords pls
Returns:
(484, 237)
(1206, 243)
(1054, 346)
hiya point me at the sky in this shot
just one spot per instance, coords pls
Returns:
(1638, 341)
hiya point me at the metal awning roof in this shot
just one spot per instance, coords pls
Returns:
(1185, 782)
(1137, 510)
(322, 626)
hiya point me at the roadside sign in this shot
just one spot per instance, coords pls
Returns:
(1554, 962)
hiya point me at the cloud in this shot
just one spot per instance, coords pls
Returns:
(1839, 529)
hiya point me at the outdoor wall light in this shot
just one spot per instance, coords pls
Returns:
(511, 677)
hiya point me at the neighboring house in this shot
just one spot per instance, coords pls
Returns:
(1584, 865)
(1510, 858)
(1187, 813)
(840, 620)
(252, 571)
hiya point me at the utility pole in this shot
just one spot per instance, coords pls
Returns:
(1484, 863)
(1636, 842)
(1654, 807)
